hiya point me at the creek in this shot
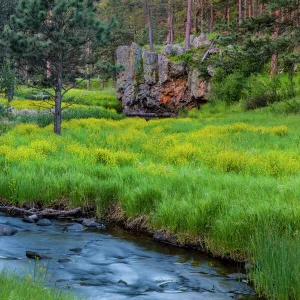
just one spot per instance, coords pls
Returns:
(114, 264)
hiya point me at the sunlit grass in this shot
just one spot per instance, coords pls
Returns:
(38, 104)
(223, 176)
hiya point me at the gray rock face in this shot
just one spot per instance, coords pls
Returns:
(151, 83)
(6, 230)
(44, 222)
(198, 85)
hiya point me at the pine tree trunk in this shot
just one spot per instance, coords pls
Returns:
(188, 25)
(58, 102)
(88, 67)
(245, 9)
(274, 61)
(48, 69)
(228, 15)
(148, 13)
(202, 4)
(212, 17)
(240, 9)
(255, 8)
(249, 8)
(170, 38)
(11, 92)
(113, 59)
(26, 75)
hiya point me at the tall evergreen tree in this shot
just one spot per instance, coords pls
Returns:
(51, 36)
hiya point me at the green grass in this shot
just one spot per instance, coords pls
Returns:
(13, 287)
(105, 98)
(268, 249)
(222, 176)
(44, 119)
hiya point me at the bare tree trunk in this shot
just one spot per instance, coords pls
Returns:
(148, 13)
(274, 61)
(188, 25)
(212, 17)
(102, 84)
(170, 38)
(240, 11)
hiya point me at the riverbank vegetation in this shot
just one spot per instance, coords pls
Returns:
(13, 287)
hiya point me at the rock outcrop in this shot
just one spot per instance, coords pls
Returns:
(199, 41)
(151, 83)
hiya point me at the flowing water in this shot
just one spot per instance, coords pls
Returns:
(117, 265)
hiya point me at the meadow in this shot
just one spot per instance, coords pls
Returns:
(223, 177)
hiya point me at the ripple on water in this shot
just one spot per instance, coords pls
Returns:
(116, 265)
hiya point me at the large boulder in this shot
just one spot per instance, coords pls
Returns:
(6, 230)
(152, 83)
(172, 50)
(44, 223)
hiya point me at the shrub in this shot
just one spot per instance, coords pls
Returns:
(227, 88)
(260, 91)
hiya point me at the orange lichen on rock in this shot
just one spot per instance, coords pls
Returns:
(173, 92)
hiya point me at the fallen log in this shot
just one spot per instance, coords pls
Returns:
(45, 213)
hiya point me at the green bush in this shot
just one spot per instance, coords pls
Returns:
(227, 88)
(286, 107)
(261, 91)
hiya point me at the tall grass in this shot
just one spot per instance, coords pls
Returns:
(14, 287)
(276, 270)
(226, 177)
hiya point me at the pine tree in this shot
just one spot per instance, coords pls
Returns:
(51, 37)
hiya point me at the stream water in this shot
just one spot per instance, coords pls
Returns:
(117, 265)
